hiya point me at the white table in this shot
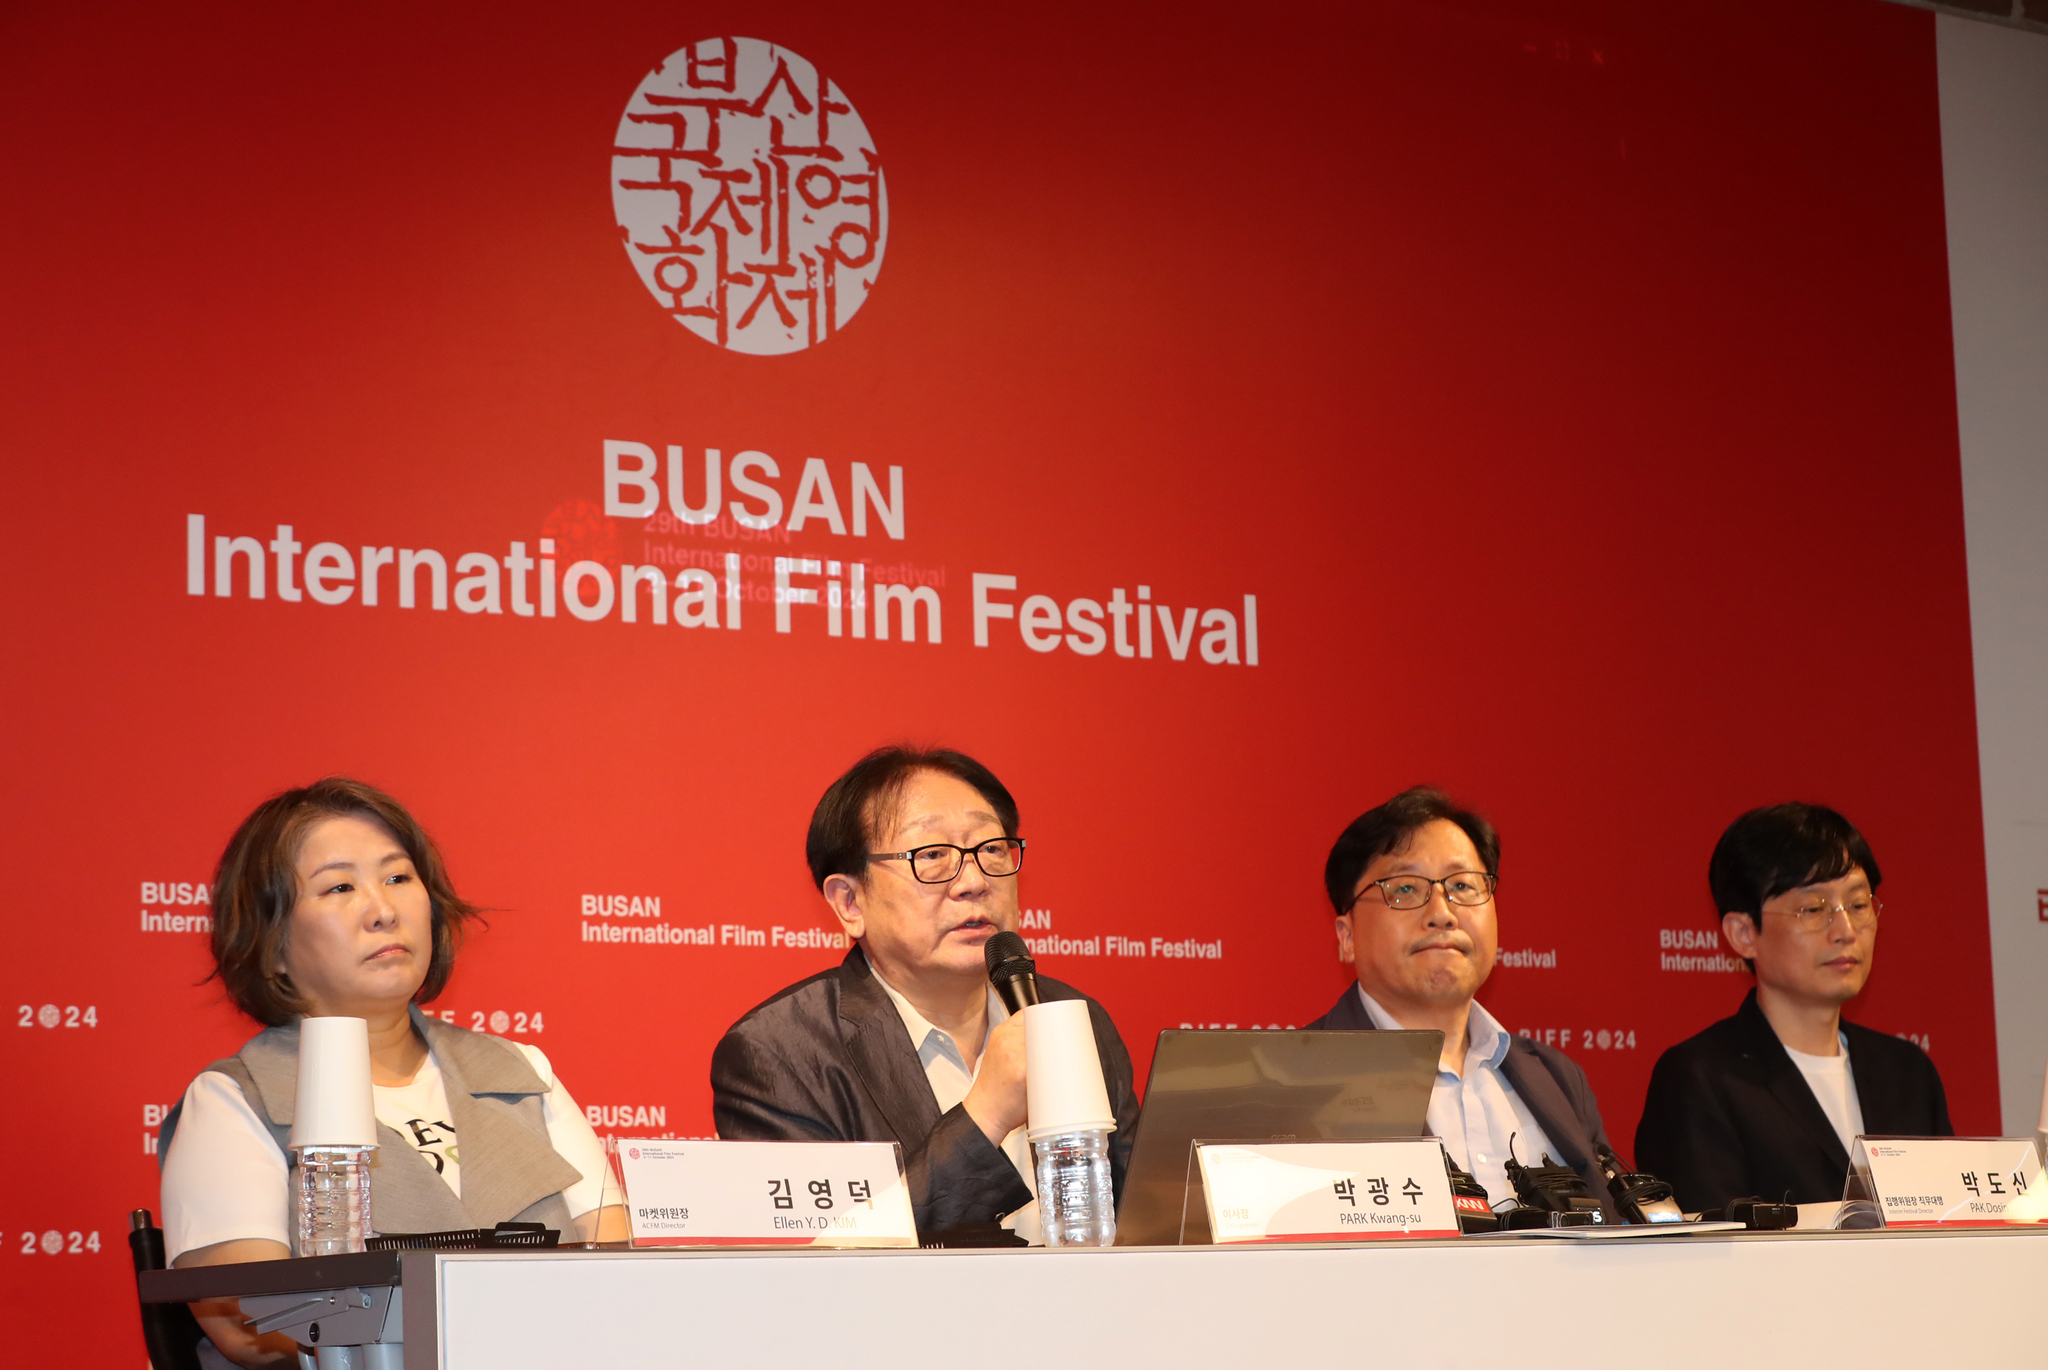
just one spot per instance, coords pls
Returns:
(1749, 1300)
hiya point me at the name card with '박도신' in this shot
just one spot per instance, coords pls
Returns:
(1327, 1191)
(691, 1193)
(1949, 1181)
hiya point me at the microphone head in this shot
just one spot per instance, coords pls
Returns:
(1008, 956)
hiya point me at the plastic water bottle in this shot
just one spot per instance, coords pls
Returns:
(1076, 1204)
(334, 1200)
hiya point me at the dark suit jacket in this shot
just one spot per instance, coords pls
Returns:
(829, 1060)
(1729, 1115)
(1549, 1083)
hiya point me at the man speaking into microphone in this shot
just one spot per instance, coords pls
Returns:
(917, 854)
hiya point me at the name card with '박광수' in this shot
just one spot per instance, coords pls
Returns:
(1949, 1181)
(692, 1193)
(1327, 1191)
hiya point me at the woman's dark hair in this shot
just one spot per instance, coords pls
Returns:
(256, 885)
(1388, 828)
(1783, 847)
(843, 825)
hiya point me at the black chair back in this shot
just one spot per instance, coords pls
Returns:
(169, 1330)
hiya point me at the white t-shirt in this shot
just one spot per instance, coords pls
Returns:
(225, 1178)
(419, 1113)
(1834, 1085)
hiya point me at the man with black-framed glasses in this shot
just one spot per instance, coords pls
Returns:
(917, 853)
(1412, 883)
(1767, 1103)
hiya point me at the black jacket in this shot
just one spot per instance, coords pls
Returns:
(1547, 1081)
(1729, 1115)
(828, 1060)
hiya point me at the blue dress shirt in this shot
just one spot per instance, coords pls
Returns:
(1476, 1112)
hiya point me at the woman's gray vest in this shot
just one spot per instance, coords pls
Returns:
(510, 1171)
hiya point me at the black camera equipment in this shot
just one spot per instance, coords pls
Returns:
(1756, 1215)
(1641, 1198)
(1550, 1188)
(1469, 1201)
(1519, 1218)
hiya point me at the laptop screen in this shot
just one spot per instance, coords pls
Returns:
(1233, 1085)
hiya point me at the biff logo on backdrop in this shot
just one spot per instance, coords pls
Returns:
(750, 196)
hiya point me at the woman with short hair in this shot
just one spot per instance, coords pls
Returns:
(331, 901)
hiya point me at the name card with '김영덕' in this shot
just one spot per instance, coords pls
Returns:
(1327, 1191)
(692, 1193)
(1949, 1181)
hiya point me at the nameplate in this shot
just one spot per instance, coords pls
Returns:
(688, 1193)
(1950, 1181)
(1327, 1191)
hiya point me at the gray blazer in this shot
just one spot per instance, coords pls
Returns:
(828, 1060)
(1549, 1082)
(510, 1170)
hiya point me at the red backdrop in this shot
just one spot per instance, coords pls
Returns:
(1570, 385)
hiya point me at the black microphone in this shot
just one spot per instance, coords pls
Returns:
(1011, 970)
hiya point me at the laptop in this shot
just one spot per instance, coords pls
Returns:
(1241, 1086)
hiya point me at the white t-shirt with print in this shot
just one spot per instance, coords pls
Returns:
(225, 1178)
(419, 1113)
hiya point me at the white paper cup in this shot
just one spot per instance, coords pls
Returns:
(334, 1106)
(1063, 1086)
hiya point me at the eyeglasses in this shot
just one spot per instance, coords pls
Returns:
(1469, 888)
(1817, 915)
(940, 862)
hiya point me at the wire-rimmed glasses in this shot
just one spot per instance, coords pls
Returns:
(1817, 914)
(1467, 888)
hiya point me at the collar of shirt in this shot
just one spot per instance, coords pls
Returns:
(1841, 1054)
(934, 1043)
(1478, 1115)
(1487, 1040)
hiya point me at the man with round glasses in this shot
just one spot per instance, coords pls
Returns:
(1767, 1103)
(917, 853)
(1413, 882)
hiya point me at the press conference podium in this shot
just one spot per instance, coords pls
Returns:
(1870, 1299)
